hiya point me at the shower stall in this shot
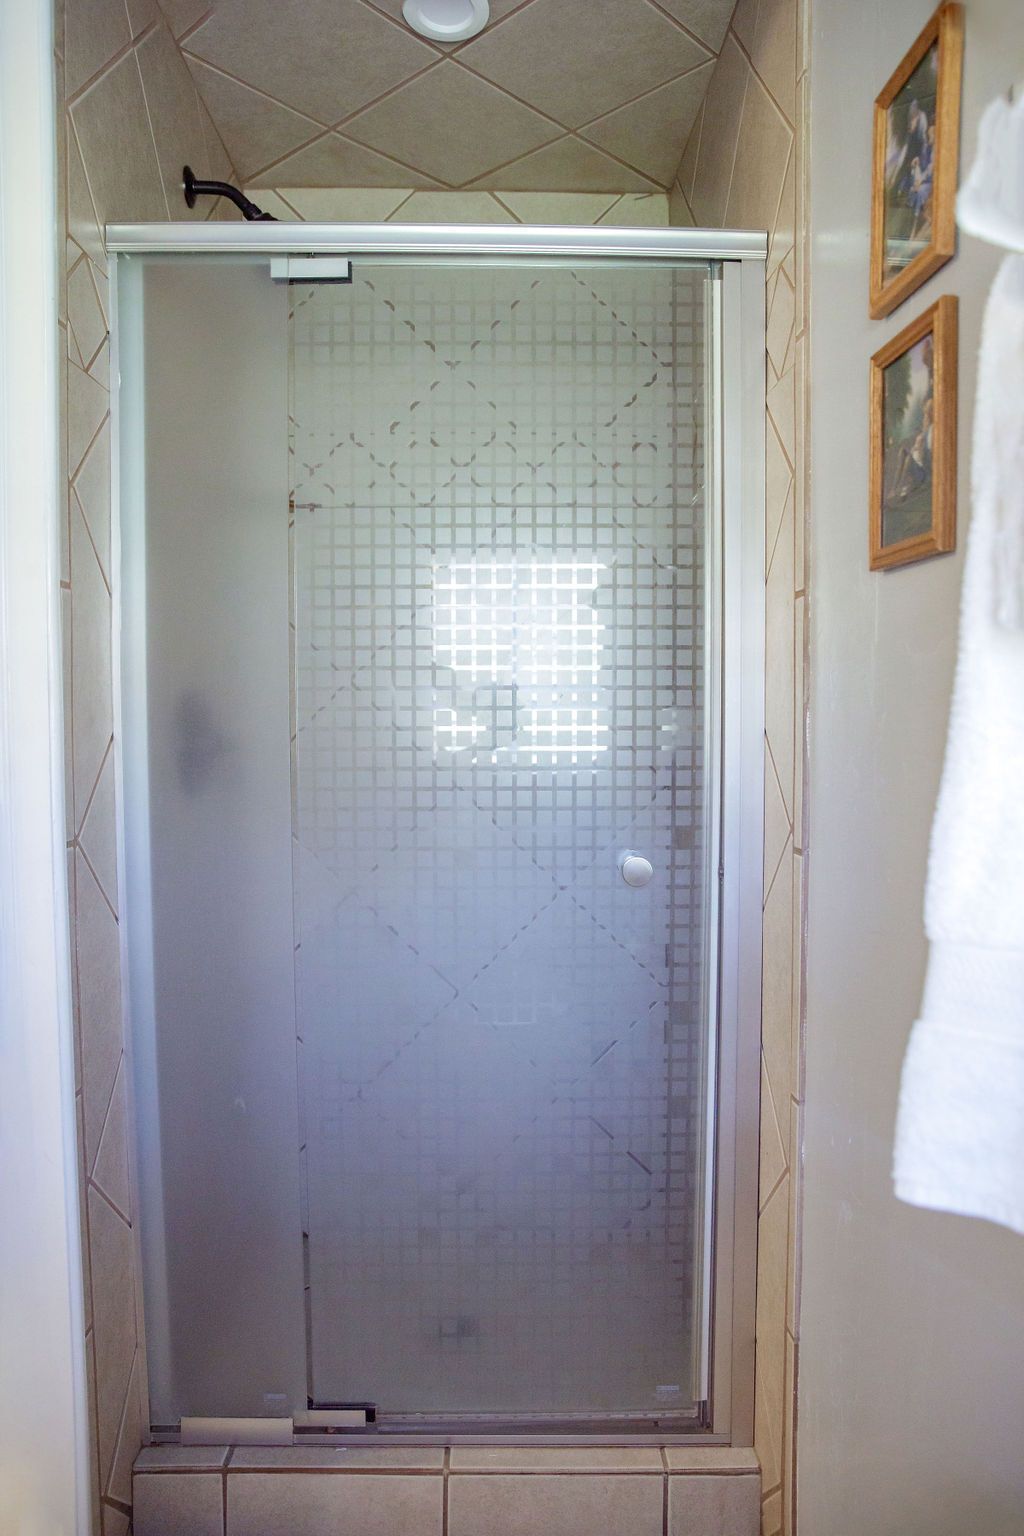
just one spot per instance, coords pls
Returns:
(439, 576)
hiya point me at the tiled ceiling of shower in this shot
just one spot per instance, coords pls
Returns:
(555, 95)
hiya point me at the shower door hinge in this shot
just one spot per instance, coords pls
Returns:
(311, 269)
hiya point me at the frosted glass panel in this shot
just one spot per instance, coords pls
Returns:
(498, 605)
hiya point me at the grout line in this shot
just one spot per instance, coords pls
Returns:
(256, 90)
(99, 883)
(664, 1496)
(122, 1421)
(192, 29)
(592, 122)
(502, 204)
(761, 80)
(94, 79)
(95, 783)
(446, 1471)
(99, 1190)
(688, 32)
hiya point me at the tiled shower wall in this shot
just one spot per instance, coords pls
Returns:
(745, 166)
(128, 117)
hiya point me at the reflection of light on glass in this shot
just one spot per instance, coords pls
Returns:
(526, 627)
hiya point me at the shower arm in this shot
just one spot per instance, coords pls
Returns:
(193, 189)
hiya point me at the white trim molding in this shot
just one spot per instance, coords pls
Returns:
(43, 1419)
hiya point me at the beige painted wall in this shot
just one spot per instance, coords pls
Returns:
(128, 116)
(912, 1323)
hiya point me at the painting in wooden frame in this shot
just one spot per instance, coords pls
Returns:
(914, 170)
(912, 511)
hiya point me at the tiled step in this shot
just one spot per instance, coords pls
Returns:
(466, 1491)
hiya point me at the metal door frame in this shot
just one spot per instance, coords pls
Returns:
(736, 682)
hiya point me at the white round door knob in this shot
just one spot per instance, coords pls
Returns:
(636, 870)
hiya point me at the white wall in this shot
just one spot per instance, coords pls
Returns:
(912, 1348)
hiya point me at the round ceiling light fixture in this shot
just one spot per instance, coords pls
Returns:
(447, 21)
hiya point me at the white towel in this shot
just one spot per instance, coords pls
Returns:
(960, 1129)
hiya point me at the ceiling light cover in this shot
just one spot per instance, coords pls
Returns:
(447, 21)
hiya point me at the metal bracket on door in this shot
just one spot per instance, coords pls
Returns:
(311, 269)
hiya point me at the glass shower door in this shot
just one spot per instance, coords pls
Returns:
(499, 604)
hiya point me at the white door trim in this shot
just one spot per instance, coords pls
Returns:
(43, 1422)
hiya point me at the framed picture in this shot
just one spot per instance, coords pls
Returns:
(916, 149)
(913, 440)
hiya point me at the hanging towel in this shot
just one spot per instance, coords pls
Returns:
(960, 1129)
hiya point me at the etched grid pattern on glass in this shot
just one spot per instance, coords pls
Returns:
(498, 565)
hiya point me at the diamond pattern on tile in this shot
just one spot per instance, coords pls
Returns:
(357, 66)
(255, 129)
(415, 125)
(647, 132)
(333, 160)
(624, 48)
(327, 59)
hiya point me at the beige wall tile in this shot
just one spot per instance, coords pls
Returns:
(710, 1458)
(110, 1243)
(351, 65)
(95, 31)
(370, 205)
(625, 48)
(707, 18)
(779, 642)
(88, 403)
(300, 1504)
(579, 1505)
(387, 1458)
(67, 689)
(119, 1481)
(713, 1506)
(183, 14)
(567, 165)
(187, 1504)
(559, 207)
(762, 153)
(97, 835)
(414, 123)
(181, 1458)
(723, 109)
(83, 220)
(85, 314)
(117, 147)
(99, 994)
(783, 234)
(647, 133)
(688, 162)
(91, 494)
(335, 161)
(174, 113)
(679, 213)
(773, 51)
(454, 207)
(110, 1170)
(255, 129)
(91, 700)
(777, 972)
(524, 1458)
(639, 209)
(773, 1147)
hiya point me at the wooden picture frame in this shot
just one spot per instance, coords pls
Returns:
(912, 509)
(914, 166)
